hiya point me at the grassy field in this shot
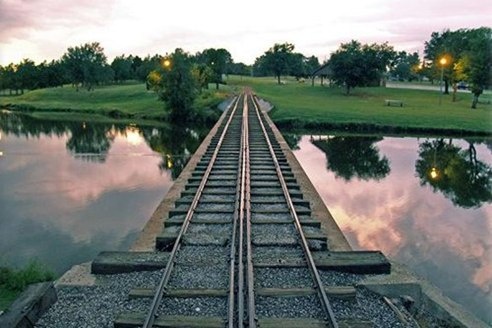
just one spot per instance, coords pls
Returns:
(116, 101)
(297, 105)
(302, 105)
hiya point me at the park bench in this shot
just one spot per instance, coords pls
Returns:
(393, 102)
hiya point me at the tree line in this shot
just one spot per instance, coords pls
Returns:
(86, 66)
(461, 56)
(467, 58)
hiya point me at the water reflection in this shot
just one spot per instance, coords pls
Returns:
(455, 172)
(350, 157)
(71, 189)
(176, 143)
(414, 223)
(90, 141)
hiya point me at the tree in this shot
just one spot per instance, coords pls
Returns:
(27, 73)
(468, 55)
(356, 65)
(405, 66)
(147, 65)
(86, 64)
(312, 64)
(479, 68)
(11, 79)
(177, 86)
(50, 74)
(123, 68)
(297, 66)
(218, 60)
(277, 59)
(239, 69)
(202, 74)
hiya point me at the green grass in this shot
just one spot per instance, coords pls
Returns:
(13, 282)
(296, 105)
(300, 104)
(129, 98)
(116, 101)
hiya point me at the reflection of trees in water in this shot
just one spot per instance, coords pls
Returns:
(455, 172)
(26, 126)
(176, 144)
(92, 141)
(292, 140)
(350, 157)
(488, 143)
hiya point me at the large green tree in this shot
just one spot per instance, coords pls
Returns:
(86, 65)
(176, 85)
(218, 60)
(356, 65)
(277, 59)
(468, 54)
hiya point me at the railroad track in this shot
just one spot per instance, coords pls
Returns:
(243, 248)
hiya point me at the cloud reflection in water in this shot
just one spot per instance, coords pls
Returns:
(449, 245)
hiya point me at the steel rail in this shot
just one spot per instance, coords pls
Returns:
(232, 257)
(151, 315)
(247, 220)
(332, 323)
(251, 296)
(240, 297)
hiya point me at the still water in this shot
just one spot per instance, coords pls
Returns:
(69, 190)
(424, 202)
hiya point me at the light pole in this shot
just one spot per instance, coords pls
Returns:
(443, 62)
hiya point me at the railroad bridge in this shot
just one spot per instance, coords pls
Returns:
(242, 243)
(241, 236)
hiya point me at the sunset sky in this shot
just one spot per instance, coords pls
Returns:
(44, 29)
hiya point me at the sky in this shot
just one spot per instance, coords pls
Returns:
(44, 29)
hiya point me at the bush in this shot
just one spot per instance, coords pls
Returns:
(17, 280)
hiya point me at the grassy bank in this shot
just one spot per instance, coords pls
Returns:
(299, 105)
(127, 101)
(13, 282)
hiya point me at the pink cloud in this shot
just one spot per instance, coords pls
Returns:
(20, 19)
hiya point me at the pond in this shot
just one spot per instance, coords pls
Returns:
(69, 190)
(424, 202)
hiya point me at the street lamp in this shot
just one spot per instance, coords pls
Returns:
(443, 61)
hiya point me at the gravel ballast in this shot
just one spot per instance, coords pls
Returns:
(98, 306)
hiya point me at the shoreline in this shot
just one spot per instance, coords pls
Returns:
(296, 125)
